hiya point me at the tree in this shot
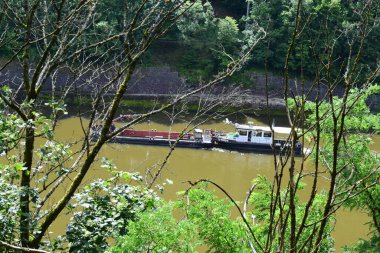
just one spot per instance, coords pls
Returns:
(157, 231)
(205, 220)
(359, 173)
(330, 127)
(50, 38)
(198, 26)
(228, 31)
(62, 47)
(278, 23)
(107, 208)
(267, 218)
(330, 72)
(210, 41)
(278, 18)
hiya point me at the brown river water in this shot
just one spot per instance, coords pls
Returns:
(232, 170)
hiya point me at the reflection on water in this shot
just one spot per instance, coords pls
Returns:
(232, 170)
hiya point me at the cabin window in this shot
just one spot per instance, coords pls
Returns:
(243, 132)
(198, 135)
(258, 133)
(267, 134)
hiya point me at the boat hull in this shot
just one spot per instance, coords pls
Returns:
(138, 137)
(161, 142)
(280, 148)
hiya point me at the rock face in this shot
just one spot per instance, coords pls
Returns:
(164, 82)
(157, 80)
(275, 85)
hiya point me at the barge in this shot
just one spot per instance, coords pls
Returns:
(246, 138)
(198, 139)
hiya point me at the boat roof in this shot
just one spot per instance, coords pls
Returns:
(197, 130)
(281, 130)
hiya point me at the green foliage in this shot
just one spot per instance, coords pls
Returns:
(209, 41)
(197, 25)
(107, 206)
(157, 231)
(261, 204)
(358, 118)
(369, 246)
(273, 16)
(334, 24)
(207, 222)
(8, 211)
(112, 209)
(213, 220)
(228, 32)
(359, 165)
(142, 104)
(201, 30)
(196, 65)
(10, 131)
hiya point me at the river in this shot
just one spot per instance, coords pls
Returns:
(233, 171)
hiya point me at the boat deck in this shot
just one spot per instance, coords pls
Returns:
(155, 134)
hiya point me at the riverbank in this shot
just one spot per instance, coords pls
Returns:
(151, 84)
(141, 103)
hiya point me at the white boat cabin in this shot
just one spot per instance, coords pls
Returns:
(251, 134)
(204, 136)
